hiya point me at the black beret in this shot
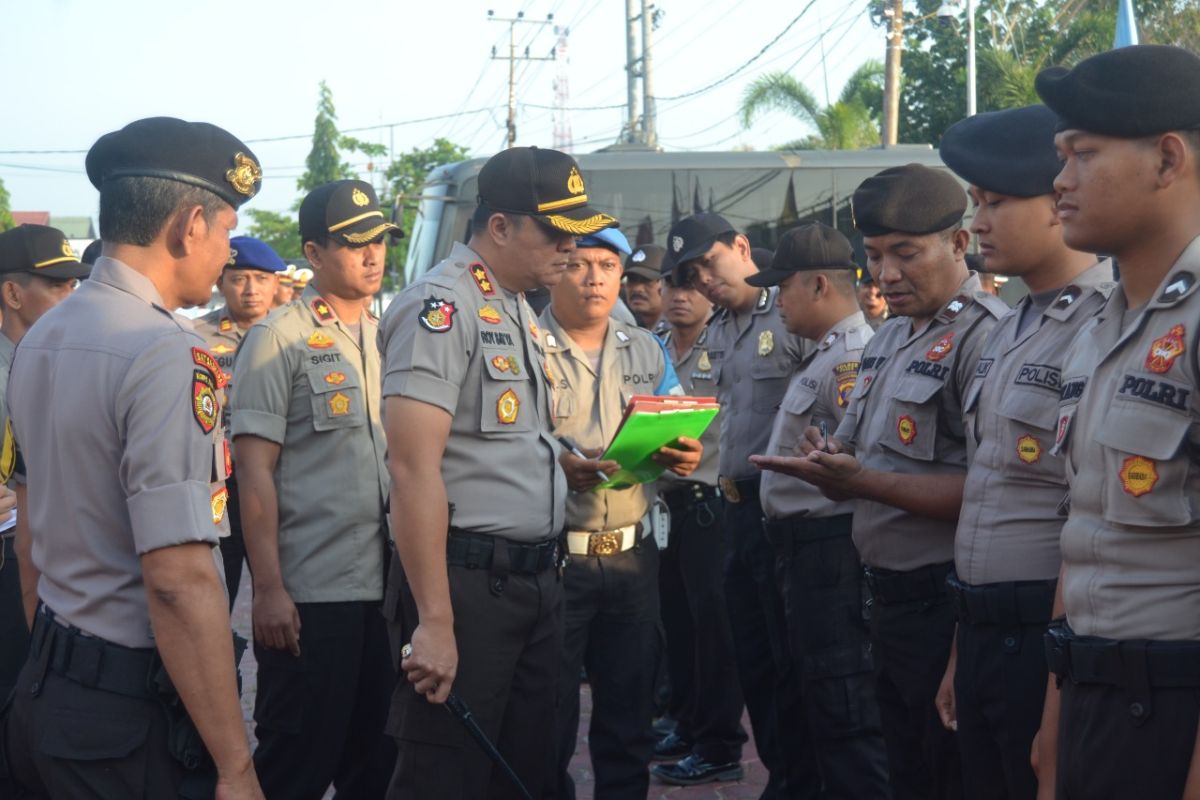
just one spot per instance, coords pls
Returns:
(1010, 152)
(908, 199)
(646, 262)
(347, 211)
(195, 153)
(1128, 92)
(544, 184)
(39, 250)
(808, 247)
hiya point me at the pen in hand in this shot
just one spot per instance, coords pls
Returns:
(574, 450)
(824, 437)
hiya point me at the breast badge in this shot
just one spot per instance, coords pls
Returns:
(507, 407)
(204, 400)
(766, 343)
(1138, 475)
(490, 315)
(906, 429)
(482, 280)
(220, 499)
(1165, 349)
(222, 349)
(319, 340)
(941, 348)
(437, 315)
(704, 364)
(500, 363)
(1029, 449)
(339, 405)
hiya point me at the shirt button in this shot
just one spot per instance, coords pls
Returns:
(1137, 709)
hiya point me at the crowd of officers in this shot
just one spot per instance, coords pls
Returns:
(939, 548)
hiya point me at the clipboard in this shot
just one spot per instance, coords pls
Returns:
(649, 423)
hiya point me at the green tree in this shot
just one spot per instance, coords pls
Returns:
(6, 218)
(324, 163)
(849, 123)
(278, 230)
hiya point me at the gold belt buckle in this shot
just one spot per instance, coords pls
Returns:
(729, 490)
(604, 544)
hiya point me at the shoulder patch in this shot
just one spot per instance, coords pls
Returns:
(846, 375)
(204, 400)
(203, 358)
(437, 315)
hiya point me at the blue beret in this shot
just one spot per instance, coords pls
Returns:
(1010, 152)
(611, 238)
(246, 252)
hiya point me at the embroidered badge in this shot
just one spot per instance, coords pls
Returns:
(8, 453)
(766, 343)
(228, 457)
(319, 340)
(437, 315)
(533, 330)
(1138, 475)
(204, 400)
(941, 348)
(500, 363)
(1180, 283)
(482, 280)
(676, 244)
(226, 325)
(490, 315)
(906, 429)
(220, 499)
(846, 375)
(507, 407)
(1029, 449)
(1064, 424)
(222, 349)
(575, 182)
(335, 378)
(203, 358)
(359, 197)
(1165, 349)
(546, 371)
(704, 364)
(321, 308)
(339, 405)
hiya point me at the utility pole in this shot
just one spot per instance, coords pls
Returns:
(893, 13)
(513, 58)
(649, 115)
(633, 133)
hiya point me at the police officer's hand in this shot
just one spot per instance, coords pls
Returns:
(431, 661)
(812, 440)
(8, 501)
(276, 620)
(583, 473)
(944, 699)
(243, 786)
(683, 458)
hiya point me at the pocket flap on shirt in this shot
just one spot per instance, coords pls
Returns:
(1144, 431)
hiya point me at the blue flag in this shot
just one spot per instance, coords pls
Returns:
(1127, 32)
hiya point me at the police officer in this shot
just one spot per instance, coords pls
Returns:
(286, 291)
(611, 579)
(752, 357)
(248, 284)
(38, 269)
(477, 591)
(310, 454)
(821, 575)
(643, 290)
(1127, 656)
(129, 577)
(871, 301)
(706, 699)
(1006, 546)
(904, 427)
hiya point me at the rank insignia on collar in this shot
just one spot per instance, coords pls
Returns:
(533, 330)
(828, 340)
(955, 307)
(1029, 449)
(766, 343)
(339, 405)
(764, 298)
(479, 273)
(335, 378)
(437, 315)
(1138, 475)
(322, 310)
(1068, 296)
(222, 349)
(1165, 349)
(225, 326)
(906, 429)
(941, 348)
(204, 400)
(507, 407)
(319, 340)
(704, 364)
(1177, 287)
(622, 336)
(551, 341)
(220, 499)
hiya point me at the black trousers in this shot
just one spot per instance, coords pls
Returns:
(320, 717)
(611, 629)
(233, 546)
(824, 596)
(771, 690)
(508, 629)
(911, 642)
(14, 635)
(706, 698)
(999, 689)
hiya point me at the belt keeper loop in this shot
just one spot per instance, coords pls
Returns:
(1136, 675)
(498, 575)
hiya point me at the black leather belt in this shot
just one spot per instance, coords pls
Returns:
(781, 532)
(1011, 603)
(684, 495)
(91, 661)
(740, 490)
(477, 551)
(1131, 664)
(891, 587)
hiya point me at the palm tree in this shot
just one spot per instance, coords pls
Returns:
(850, 123)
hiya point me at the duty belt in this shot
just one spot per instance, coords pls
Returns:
(1132, 664)
(783, 532)
(476, 551)
(891, 587)
(739, 490)
(606, 543)
(1011, 603)
(687, 494)
(91, 661)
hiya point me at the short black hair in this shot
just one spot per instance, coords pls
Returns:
(483, 212)
(133, 210)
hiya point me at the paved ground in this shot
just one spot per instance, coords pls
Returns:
(746, 789)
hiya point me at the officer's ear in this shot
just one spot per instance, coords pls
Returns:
(502, 227)
(1176, 160)
(960, 240)
(187, 229)
(10, 291)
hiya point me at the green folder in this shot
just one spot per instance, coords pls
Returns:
(640, 437)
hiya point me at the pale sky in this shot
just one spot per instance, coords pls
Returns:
(76, 69)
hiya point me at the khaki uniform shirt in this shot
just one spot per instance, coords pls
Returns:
(306, 383)
(7, 351)
(820, 391)
(1009, 525)
(588, 406)
(753, 357)
(113, 403)
(905, 416)
(223, 337)
(456, 339)
(1129, 422)
(694, 370)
